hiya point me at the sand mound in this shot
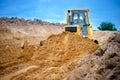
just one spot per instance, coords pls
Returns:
(64, 47)
(58, 55)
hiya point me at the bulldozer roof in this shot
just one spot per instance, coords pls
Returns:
(78, 10)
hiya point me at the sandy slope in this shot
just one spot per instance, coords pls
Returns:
(55, 56)
(101, 36)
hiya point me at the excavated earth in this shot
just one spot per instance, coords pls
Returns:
(30, 53)
(103, 64)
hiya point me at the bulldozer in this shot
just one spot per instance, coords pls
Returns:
(77, 21)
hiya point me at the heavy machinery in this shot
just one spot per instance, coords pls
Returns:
(77, 21)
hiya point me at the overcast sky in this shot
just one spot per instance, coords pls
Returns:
(54, 10)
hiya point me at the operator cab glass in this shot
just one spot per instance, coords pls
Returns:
(77, 17)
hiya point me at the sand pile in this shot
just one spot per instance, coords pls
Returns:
(57, 56)
(63, 48)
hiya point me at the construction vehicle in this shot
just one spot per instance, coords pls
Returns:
(77, 21)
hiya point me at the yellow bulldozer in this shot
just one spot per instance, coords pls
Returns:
(77, 21)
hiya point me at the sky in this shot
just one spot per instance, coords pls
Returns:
(55, 10)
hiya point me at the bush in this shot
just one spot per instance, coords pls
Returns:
(107, 26)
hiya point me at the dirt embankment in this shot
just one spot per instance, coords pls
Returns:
(101, 36)
(13, 39)
(56, 56)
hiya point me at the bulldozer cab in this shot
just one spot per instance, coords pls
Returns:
(76, 17)
(77, 21)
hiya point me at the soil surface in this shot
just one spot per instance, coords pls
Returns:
(54, 57)
(45, 52)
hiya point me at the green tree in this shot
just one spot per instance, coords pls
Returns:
(107, 26)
